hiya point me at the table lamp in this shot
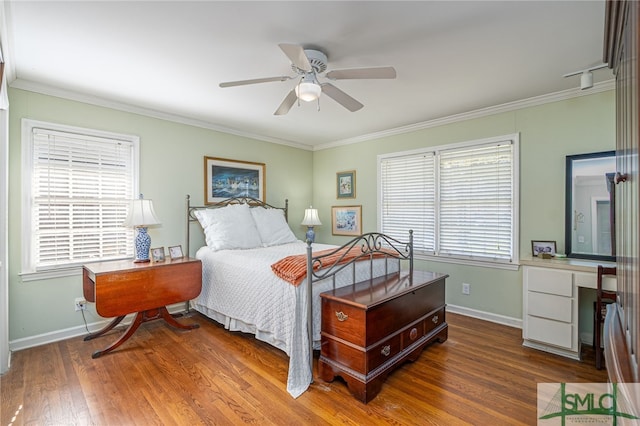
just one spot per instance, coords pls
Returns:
(310, 220)
(141, 215)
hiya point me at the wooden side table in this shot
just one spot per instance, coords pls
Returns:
(123, 287)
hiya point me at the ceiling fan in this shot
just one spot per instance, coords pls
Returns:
(308, 64)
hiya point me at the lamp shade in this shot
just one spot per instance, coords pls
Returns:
(141, 214)
(308, 90)
(311, 217)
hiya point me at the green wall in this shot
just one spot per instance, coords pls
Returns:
(171, 166)
(547, 134)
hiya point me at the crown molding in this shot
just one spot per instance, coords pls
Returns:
(482, 112)
(44, 89)
(478, 113)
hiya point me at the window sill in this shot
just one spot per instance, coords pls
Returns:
(51, 273)
(511, 266)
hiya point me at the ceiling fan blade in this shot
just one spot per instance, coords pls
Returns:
(357, 73)
(340, 97)
(286, 105)
(296, 54)
(254, 81)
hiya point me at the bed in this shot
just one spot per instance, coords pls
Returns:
(257, 275)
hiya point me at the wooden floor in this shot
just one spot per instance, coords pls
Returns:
(482, 375)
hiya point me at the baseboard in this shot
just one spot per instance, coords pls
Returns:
(68, 333)
(487, 316)
(586, 338)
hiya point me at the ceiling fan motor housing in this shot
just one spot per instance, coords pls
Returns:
(317, 59)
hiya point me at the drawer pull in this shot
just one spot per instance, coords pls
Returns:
(386, 350)
(342, 316)
(413, 333)
(435, 319)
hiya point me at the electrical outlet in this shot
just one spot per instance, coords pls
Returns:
(81, 304)
(466, 288)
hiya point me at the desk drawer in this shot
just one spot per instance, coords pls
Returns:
(548, 331)
(550, 306)
(551, 281)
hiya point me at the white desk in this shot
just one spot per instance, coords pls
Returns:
(551, 302)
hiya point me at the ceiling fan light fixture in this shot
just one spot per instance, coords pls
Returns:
(308, 89)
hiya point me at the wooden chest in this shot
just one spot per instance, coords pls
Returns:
(370, 328)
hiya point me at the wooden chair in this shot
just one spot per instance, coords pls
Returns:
(603, 298)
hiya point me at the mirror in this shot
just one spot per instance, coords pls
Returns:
(590, 206)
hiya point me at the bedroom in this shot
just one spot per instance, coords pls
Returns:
(171, 166)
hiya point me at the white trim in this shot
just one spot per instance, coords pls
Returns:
(513, 265)
(509, 266)
(28, 271)
(80, 330)
(478, 113)
(594, 220)
(486, 316)
(50, 274)
(5, 354)
(120, 106)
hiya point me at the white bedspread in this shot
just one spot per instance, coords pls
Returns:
(240, 291)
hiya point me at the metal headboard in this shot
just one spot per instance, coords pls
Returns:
(253, 202)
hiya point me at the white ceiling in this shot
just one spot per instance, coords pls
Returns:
(451, 57)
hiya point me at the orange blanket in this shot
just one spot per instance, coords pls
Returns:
(293, 269)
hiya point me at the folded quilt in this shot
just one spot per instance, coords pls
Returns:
(293, 269)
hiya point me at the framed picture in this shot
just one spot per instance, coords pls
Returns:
(225, 178)
(157, 254)
(175, 252)
(346, 184)
(346, 220)
(543, 247)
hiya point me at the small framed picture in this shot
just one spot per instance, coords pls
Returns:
(346, 184)
(157, 254)
(175, 252)
(539, 248)
(346, 220)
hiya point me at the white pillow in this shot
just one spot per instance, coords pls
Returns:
(272, 226)
(230, 227)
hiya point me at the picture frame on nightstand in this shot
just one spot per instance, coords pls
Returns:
(157, 254)
(175, 252)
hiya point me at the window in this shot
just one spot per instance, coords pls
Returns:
(460, 200)
(77, 187)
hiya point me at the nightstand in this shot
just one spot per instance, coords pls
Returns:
(123, 287)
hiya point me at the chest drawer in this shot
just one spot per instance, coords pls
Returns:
(379, 353)
(344, 321)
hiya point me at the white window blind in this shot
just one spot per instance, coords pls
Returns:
(80, 188)
(460, 200)
(476, 202)
(408, 199)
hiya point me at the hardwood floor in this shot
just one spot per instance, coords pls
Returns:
(481, 375)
